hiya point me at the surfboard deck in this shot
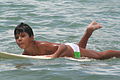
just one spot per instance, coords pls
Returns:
(6, 55)
(20, 56)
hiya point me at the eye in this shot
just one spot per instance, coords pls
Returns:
(23, 35)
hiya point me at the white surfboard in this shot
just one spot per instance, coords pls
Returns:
(20, 56)
(79, 60)
(6, 55)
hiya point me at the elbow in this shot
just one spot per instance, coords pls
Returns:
(64, 47)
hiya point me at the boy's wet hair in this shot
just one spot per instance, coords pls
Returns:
(22, 27)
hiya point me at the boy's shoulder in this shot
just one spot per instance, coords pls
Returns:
(45, 43)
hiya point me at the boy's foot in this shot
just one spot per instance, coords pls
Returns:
(93, 26)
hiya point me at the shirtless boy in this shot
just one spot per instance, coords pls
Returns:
(25, 39)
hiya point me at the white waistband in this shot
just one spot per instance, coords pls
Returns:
(75, 47)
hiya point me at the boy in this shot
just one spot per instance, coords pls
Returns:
(25, 39)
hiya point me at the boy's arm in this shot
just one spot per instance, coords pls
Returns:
(25, 53)
(60, 50)
(90, 29)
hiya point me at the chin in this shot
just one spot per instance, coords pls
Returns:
(22, 47)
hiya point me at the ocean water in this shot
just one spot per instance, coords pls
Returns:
(60, 21)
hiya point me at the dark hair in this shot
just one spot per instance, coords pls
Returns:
(22, 27)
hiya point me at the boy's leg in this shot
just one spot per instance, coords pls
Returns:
(91, 27)
(109, 54)
(99, 55)
(90, 53)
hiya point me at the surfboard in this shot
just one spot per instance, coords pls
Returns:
(6, 55)
(20, 56)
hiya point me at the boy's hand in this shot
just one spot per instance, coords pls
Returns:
(51, 56)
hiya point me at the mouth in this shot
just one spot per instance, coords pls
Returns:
(20, 45)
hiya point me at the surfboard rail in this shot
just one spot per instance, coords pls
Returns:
(6, 55)
(20, 56)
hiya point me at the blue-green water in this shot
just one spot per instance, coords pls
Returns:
(60, 21)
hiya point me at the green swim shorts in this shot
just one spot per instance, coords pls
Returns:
(77, 54)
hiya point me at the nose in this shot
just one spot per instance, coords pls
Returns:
(19, 39)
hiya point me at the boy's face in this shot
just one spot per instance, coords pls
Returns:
(23, 40)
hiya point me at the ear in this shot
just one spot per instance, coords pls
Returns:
(32, 38)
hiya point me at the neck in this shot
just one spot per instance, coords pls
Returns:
(32, 48)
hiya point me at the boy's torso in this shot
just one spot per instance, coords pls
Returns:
(42, 48)
(48, 48)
